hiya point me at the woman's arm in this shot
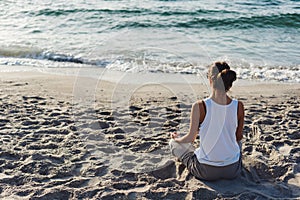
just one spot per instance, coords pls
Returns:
(194, 126)
(241, 115)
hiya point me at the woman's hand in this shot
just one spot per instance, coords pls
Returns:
(173, 135)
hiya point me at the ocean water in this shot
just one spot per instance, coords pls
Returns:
(259, 38)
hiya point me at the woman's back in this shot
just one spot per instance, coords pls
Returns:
(218, 146)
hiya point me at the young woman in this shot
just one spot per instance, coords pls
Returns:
(219, 121)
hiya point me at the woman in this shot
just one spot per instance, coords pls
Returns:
(219, 121)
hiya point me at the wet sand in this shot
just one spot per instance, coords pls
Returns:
(65, 137)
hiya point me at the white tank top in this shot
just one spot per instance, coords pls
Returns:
(218, 145)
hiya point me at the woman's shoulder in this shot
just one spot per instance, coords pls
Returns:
(200, 105)
(240, 103)
(200, 101)
(237, 101)
(196, 104)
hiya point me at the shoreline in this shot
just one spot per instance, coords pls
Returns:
(79, 137)
(113, 75)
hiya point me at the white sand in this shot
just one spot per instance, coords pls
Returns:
(68, 137)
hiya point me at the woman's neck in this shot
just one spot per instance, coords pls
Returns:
(220, 97)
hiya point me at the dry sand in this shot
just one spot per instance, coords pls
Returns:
(62, 139)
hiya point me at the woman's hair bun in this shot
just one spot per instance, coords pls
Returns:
(226, 77)
(222, 75)
(229, 75)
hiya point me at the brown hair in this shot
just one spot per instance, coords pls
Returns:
(221, 75)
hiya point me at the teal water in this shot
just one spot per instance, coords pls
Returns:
(259, 38)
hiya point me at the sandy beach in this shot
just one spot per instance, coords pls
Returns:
(61, 139)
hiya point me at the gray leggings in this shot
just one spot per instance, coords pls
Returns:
(185, 153)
